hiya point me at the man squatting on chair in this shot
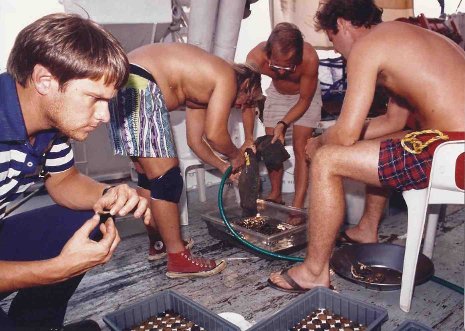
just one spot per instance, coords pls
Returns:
(162, 78)
(424, 72)
(61, 73)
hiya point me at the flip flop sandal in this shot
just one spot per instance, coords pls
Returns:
(276, 202)
(343, 239)
(295, 288)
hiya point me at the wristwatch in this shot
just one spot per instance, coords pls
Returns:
(284, 124)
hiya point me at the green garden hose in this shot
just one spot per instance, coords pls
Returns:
(236, 235)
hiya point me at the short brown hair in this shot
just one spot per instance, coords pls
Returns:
(287, 37)
(358, 12)
(70, 47)
(245, 71)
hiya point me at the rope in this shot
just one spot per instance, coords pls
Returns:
(416, 145)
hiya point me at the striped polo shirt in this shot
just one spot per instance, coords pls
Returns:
(22, 163)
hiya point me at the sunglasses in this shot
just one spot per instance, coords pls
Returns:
(275, 67)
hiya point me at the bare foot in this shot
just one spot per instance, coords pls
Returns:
(364, 236)
(275, 198)
(296, 220)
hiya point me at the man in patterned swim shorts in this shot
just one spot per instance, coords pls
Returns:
(162, 78)
(424, 73)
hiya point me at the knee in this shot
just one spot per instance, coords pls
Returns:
(299, 151)
(322, 162)
(143, 181)
(167, 187)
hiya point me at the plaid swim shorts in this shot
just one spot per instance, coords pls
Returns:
(402, 170)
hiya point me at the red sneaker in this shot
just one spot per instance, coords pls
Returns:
(157, 251)
(183, 264)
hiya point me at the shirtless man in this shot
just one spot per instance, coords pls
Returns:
(425, 75)
(162, 78)
(293, 98)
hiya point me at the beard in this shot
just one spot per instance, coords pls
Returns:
(59, 118)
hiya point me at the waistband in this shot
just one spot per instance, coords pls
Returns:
(137, 70)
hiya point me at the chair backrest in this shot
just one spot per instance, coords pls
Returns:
(236, 128)
(443, 188)
(178, 125)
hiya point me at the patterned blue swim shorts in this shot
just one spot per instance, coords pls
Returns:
(140, 122)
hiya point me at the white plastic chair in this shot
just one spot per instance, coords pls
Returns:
(187, 162)
(442, 189)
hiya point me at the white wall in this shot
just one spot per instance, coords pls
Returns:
(17, 14)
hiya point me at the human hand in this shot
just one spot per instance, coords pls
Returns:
(237, 162)
(123, 199)
(278, 134)
(312, 145)
(81, 254)
(249, 143)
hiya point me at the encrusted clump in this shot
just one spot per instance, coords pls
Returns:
(167, 321)
(323, 319)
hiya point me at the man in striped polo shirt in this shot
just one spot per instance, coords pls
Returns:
(61, 73)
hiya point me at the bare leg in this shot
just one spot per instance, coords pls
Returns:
(152, 230)
(276, 178)
(366, 231)
(326, 209)
(299, 139)
(165, 213)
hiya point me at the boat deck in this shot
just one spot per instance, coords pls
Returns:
(242, 287)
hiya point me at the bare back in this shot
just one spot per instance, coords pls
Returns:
(421, 69)
(187, 75)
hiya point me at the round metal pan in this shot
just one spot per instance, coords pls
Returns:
(387, 259)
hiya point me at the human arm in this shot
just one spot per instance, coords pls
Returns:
(394, 120)
(216, 122)
(248, 121)
(77, 256)
(195, 125)
(307, 87)
(77, 191)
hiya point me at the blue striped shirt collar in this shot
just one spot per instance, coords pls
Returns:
(12, 126)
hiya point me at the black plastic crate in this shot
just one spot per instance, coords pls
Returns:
(370, 316)
(410, 325)
(159, 303)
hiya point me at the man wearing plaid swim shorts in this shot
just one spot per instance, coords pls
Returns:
(424, 74)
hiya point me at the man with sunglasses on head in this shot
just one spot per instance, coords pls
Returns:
(293, 99)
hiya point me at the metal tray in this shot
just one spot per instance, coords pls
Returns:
(290, 235)
(387, 259)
